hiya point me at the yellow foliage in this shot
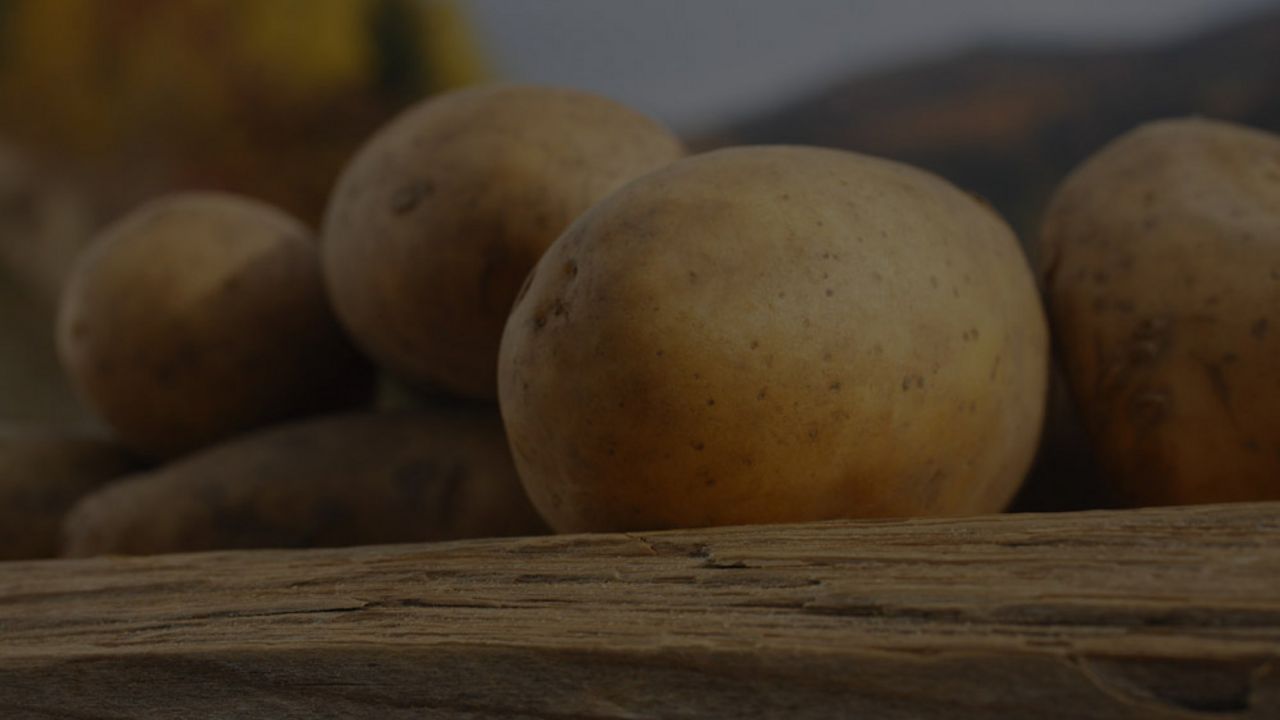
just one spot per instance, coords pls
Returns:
(85, 75)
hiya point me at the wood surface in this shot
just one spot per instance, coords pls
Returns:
(1171, 613)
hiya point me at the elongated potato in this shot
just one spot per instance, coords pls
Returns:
(1161, 259)
(42, 474)
(341, 480)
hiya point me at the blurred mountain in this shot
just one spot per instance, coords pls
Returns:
(1008, 123)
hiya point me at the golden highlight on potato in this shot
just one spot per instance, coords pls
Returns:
(202, 315)
(775, 334)
(1162, 267)
(437, 220)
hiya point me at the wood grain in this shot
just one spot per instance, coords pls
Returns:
(1171, 613)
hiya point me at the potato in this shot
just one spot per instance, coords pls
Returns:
(202, 315)
(341, 480)
(1161, 262)
(437, 220)
(775, 334)
(42, 474)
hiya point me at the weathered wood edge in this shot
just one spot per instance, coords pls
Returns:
(1152, 613)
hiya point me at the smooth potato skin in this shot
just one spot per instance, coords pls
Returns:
(439, 218)
(42, 474)
(202, 315)
(351, 479)
(775, 334)
(1162, 269)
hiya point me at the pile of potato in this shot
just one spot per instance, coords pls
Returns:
(750, 335)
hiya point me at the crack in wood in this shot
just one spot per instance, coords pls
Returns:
(1114, 615)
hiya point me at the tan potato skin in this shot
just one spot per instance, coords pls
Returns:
(202, 315)
(1162, 270)
(775, 334)
(42, 474)
(438, 219)
(350, 479)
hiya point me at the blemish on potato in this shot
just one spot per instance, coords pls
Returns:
(1149, 408)
(699, 445)
(1259, 328)
(1221, 388)
(407, 197)
(1143, 351)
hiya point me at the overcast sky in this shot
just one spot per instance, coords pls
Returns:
(694, 62)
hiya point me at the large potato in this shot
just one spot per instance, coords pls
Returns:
(202, 315)
(441, 215)
(341, 480)
(1162, 267)
(775, 334)
(42, 474)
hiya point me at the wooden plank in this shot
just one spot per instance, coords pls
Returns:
(1156, 613)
